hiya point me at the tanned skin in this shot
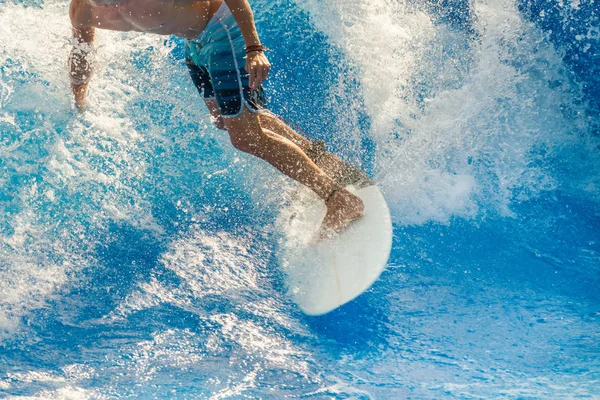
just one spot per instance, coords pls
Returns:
(263, 135)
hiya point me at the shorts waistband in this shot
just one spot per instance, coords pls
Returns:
(222, 13)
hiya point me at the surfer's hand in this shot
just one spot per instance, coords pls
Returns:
(258, 67)
(79, 91)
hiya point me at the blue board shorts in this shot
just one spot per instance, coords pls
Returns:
(216, 60)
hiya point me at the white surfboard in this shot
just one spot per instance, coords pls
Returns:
(323, 275)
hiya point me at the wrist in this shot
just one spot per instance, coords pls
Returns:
(255, 48)
(79, 81)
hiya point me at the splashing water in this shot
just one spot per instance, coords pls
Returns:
(138, 251)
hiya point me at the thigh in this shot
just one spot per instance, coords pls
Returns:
(245, 124)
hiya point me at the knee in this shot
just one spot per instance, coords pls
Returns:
(245, 140)
(240, 142)
(246, 133)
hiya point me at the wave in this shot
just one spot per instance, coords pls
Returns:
(138, 233)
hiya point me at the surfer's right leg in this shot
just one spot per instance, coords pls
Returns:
(342, 173)
(249, 136)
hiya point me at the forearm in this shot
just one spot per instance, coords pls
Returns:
(245, 18)
(80, 72)
(80, 64)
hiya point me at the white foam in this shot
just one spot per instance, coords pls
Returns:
(67, 178)
(64, 393)
(463, 121)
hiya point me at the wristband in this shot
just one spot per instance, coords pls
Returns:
(256, 47)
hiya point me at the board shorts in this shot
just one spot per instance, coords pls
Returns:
(216, 60)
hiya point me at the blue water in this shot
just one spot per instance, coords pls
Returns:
(139, 251)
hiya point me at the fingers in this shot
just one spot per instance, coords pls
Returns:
(79, 92)
(253, 75)
(264, 71)
(258, 70)
(258, 74)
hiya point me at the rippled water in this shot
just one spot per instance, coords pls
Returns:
(139, 250)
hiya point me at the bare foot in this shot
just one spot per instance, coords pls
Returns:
(343, 208)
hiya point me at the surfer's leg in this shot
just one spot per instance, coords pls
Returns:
(272, 122)
(249, 136)
(215, 113)
(341, 172)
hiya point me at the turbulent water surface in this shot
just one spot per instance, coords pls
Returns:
(139, 250)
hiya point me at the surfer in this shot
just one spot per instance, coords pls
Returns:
(227, 64)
